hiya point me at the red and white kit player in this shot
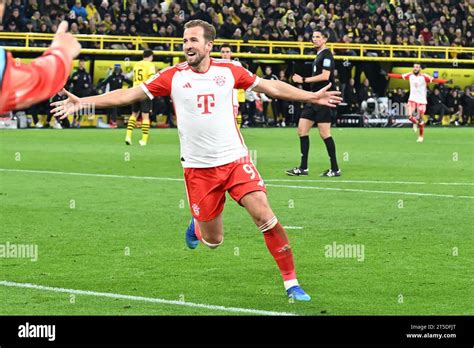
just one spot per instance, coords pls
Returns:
(213, 153)
(417, 99)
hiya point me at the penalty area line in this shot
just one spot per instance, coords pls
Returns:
(369, 191)
(266, 183)
(266, 180)
(143, 299)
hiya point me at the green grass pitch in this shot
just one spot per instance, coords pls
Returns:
(409, 205)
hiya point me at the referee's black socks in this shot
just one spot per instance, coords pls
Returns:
(304, 146)
(331, 147)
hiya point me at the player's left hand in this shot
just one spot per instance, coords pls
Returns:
(327, 98)
(66, 107)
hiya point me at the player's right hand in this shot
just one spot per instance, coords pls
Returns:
(66, 107)
(65, 40)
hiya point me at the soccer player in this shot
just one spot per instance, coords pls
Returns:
(142, 71)
(23, 85)
(417, 99)
(239, 94)
(213, 153)
(323, 75)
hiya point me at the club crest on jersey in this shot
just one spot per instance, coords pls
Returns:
(195, 209)
(219, 80)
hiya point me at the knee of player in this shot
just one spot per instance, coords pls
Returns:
(302, 132)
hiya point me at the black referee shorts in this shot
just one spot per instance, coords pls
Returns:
(145, 106)
(318, 113)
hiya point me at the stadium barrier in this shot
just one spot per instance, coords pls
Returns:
(245, 49)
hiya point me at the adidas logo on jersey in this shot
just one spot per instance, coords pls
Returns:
(187, 85)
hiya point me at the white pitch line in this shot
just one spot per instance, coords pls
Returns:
(144, 299)
(89, 174)
(266, 180)
(293, 227)
(269, 185)
(336, 181)
(370, 191)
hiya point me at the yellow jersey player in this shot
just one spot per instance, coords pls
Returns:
(142, 71)
(239, 94)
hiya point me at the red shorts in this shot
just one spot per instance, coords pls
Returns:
(420, 107)
(206, 187)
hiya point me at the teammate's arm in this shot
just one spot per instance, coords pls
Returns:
(118, 97)
(28, 84)
(430, 79)
(281, 90)
(427, 78)
(324, 76)
(395, 76)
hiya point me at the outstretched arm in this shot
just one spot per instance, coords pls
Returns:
(281, 90)
(118, 97)
(28, 84)
(440, 81)
(395, 76)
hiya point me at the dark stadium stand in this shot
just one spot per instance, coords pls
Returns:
(407, 23)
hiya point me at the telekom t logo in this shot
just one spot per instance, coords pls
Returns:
(206, 101)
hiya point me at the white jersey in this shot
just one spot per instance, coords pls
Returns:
(204, 107)
(418, 86)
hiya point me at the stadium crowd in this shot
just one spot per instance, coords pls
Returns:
(403, 22)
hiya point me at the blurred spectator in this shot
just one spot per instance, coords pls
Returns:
(92, 12)
(284, 104)
(269, 75)
(365, 92)
(111, 83)
(80, 84)
(453, 102)
(350, 96)
(467, 105)
(436, 106)
(79, 10)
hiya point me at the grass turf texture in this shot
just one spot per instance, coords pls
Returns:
(408, 268)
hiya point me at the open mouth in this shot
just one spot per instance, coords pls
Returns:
(191, 54)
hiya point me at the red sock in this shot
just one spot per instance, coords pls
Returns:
(197, 231)
(279, 246)
(413, 120)
(422, 129)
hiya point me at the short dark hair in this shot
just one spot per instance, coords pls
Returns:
(209, 30)
(324, 32)
(147, 53)
(225, 45)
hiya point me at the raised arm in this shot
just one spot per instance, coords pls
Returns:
(281, 90)
(118, 97)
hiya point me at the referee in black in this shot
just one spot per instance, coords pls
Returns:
(323, 74)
